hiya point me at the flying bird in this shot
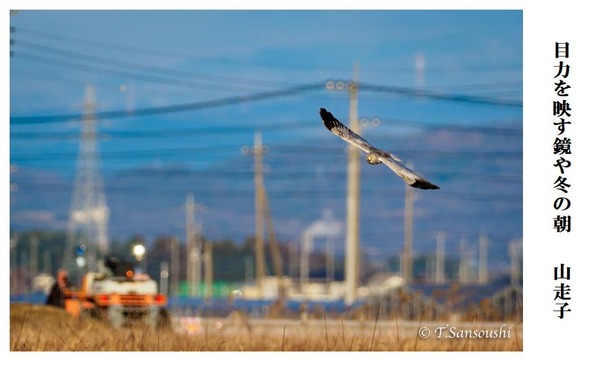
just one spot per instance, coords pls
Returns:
(374, 155)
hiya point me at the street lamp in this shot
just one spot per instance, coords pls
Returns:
(139, 251)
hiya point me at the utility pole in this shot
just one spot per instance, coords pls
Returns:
(329, 260)
(164, 278)
(352, 265)
(274, 247)
(257, 150)
(293, 265)
(515, 249)
(174, 266)
(193, 247)
(47, 262)
(483, 261)
(407, 255)
(464, 268)
(33, 258)
(208, 274)
(307, 239)
(440, 258)
(419, 70)
(14, 241)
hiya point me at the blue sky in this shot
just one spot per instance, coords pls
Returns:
(468, 64)
(148, 59)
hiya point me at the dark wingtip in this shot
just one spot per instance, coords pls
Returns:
(424, 185)
(328, 118)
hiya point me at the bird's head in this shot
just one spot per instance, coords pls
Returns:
(373, 158)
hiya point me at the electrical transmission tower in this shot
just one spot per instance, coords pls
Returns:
(88, 218)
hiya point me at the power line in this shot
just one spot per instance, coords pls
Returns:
(259, 96)
(193, 84)
(87, 43)
(220, 149)
(250, 98)
(295, 176)
(516, 131)
(146, 133)
(441, 96)
(161, 53)
(167, 132)
(276, 192)
(142, 67)
(120, 73)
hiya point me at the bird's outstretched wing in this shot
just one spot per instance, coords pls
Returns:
(390, 160)
(410, 177)
(339, 129)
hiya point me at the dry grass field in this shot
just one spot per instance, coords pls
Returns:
(43, 328)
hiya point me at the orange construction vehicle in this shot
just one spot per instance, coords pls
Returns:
(118, 295)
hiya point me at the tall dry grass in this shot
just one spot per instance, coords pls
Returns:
(43, 328)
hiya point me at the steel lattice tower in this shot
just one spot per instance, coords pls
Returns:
(88, 217)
